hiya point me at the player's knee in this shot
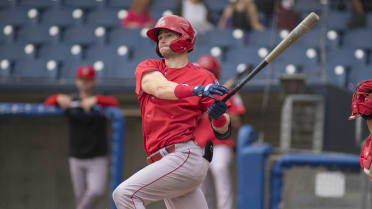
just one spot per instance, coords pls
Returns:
(121, 195)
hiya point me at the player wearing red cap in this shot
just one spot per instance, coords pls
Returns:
(173, 93)
(88, 137)
(219, 171)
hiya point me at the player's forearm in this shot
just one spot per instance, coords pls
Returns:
(220, 125)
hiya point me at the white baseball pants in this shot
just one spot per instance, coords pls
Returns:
(88, 179)
(175, 179)
(219, 174)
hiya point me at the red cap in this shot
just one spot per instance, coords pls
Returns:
(86, 72)
(211, 64)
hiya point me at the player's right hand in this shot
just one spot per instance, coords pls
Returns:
(64, 101)
(209, 90)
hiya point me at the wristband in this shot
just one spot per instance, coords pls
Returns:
(183, 91)
(219, 122)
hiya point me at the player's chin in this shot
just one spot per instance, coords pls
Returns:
(166, 52)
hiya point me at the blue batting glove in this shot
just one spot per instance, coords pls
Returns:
(209, 90)
(217, 109)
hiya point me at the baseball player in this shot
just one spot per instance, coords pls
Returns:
(223, 149)
(88, 137)
(173, 93)
(362, 106)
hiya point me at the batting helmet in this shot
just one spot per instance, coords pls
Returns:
(210, 63)
(177, 24)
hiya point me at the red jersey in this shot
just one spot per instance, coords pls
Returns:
(204, 131)
(166, 122)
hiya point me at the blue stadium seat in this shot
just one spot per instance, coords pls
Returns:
(99, 52)
(119, 3)
(38, 3)
(199, 51)
(217, 5)
(346, 56)
(131, 37)
(369, 19)
(69, 67)
(84, 4)
(104, 17)
(338, 20)
(296, 55)
(265, 38)
(34, 34)
(162, 5)
(247, 55)
(307, 6)
(220, 37)
(359, 73)
(33, 69)
(60, 17)
(358, 38)
(80, 35)
(12, 51)
(59, 52)
(115, 67)
(14, 16)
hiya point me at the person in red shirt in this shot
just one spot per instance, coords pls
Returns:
(362, 106)
(173, 94)
(139, 15)
(88, 137)
(219, 171)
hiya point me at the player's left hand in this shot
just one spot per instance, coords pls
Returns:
(217, 109)
(88, 103)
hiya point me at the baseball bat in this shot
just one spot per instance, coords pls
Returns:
(295, 34)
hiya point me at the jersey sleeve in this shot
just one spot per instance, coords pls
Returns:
(142, 68)
(237, 105)
(106, 101)
(52, 100)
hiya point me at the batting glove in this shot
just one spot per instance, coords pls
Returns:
(217, 109)
(209, 90)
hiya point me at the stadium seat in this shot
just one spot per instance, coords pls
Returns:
(347, 56)
(33, 69)
(99, 52)
(40, 4)
(34, 34)
(13, 16)
(297, 55)
(162, 5)
(60, 52)
(307, 6)
(104, 17)
(369, 19)
(84, 4)
(267, 38)
(358, 38)
(246, 55)
(119, 3)
(69, 67)
(130, 37)
(200, 51)
(60, 17)
(220, 37)
(217, 5)
(12, 51)
(81, 35)
(338, 20)
(359, 73)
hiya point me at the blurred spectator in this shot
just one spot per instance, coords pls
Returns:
(88, 137)
(265, 10)
(139, 15)
(287, 17)
(197, 13)
(358, 18)
(241, 14)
